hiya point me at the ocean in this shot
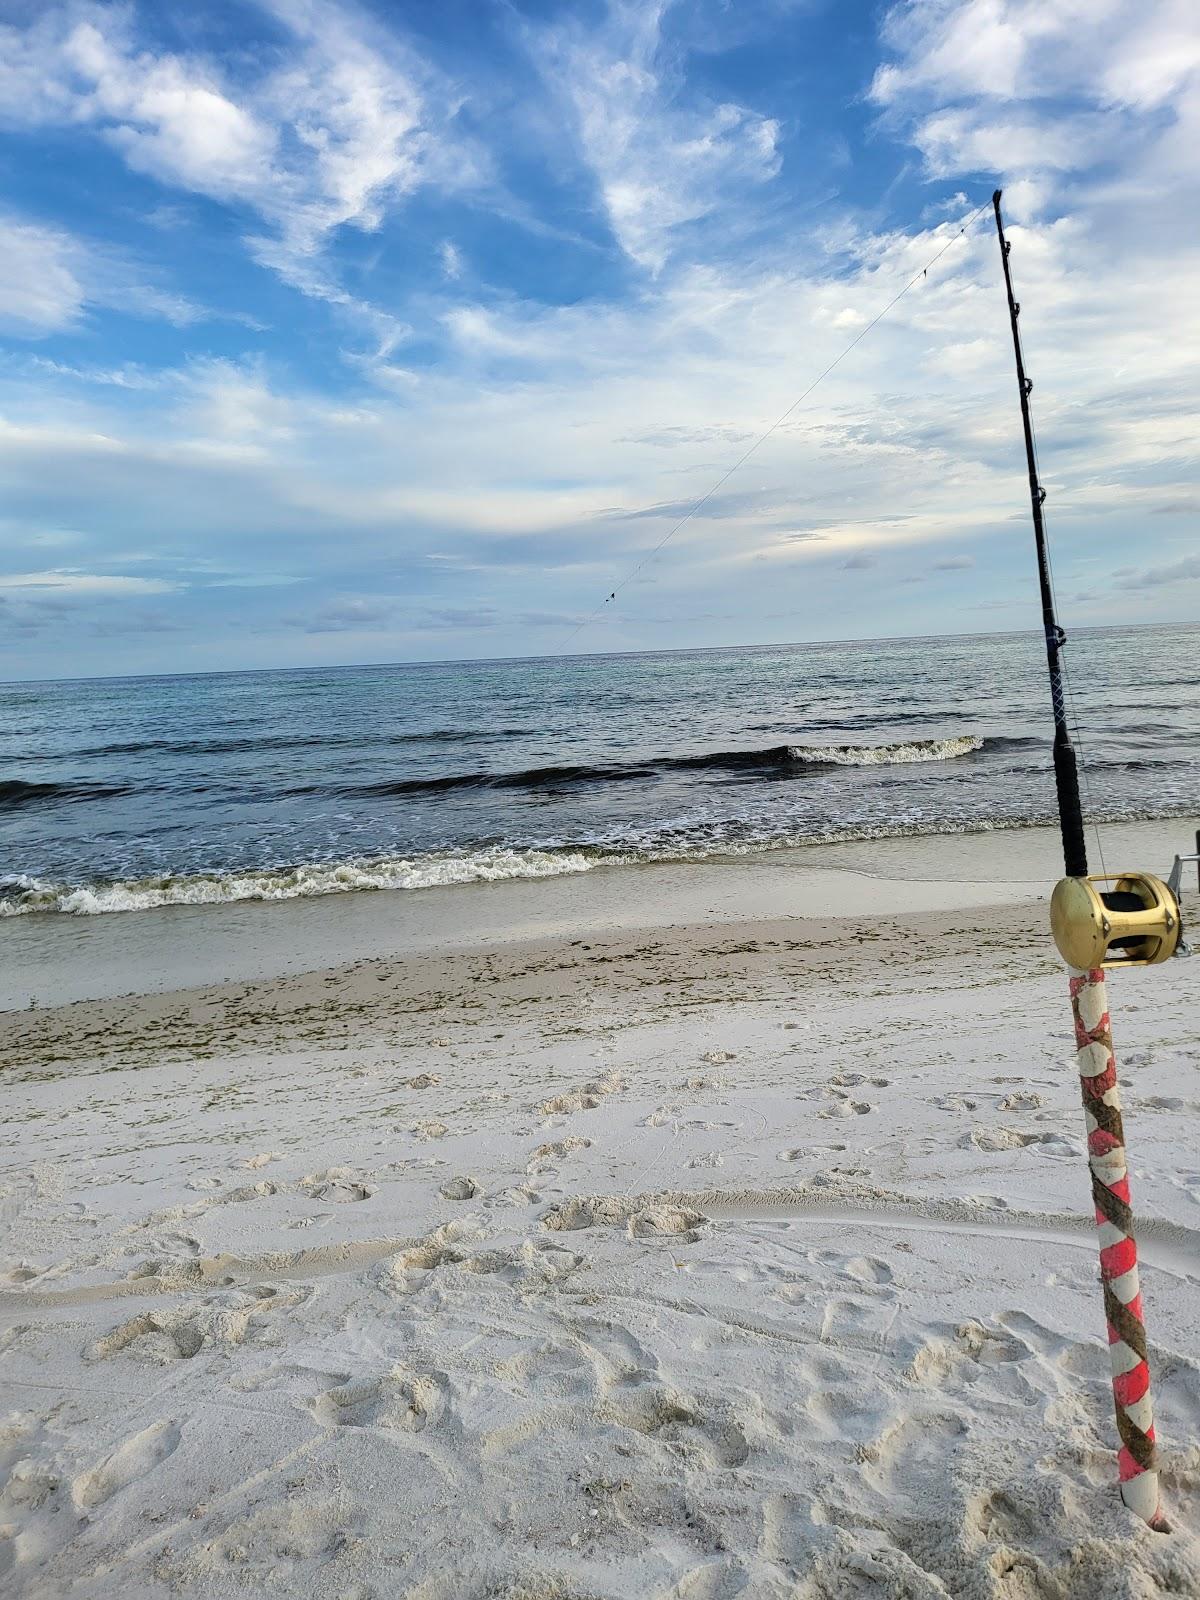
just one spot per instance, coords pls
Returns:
(127, 794)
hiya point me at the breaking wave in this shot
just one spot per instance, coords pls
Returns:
(781, 760)
(22, 895)
(892, 755)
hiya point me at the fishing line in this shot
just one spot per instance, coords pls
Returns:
(774, 428)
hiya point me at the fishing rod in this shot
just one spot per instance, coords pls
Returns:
(1126, 920)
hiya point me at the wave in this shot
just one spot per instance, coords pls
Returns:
(529, 778)
(15, 795)
(783, 760)
(893, 755)
(21, 895)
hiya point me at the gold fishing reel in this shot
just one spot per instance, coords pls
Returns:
(1133, 923)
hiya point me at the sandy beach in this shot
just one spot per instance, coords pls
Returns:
(684, 1231)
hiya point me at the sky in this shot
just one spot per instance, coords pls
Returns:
(339, 333)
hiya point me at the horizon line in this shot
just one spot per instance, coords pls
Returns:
(582, 655)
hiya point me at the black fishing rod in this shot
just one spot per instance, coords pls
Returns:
(1066, 769)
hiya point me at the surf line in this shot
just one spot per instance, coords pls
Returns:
(699, 505)
(1126, 920)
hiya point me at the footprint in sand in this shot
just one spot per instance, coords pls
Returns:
(135, 1458)
(226, 1320)
(338, 1184)
(677, 1223)
(971, 1345)
(1021, 1100)
(999, 1516)
(23, 1272)
(846, 1107)
(264, 1159)
(910, 1450)
(714, 1580)
(707, 1159)
(586, 1098)
(547, 1156)
(460, 1188)
(995, 1139)
(429, 1129)
(586, 1213)
(539, 1262)
(533, 1264)
(863, 1269)
(402, 1399)
(443, 1247)
(688, 1426)
(801, 1152)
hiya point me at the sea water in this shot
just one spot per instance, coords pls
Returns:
(126, 794)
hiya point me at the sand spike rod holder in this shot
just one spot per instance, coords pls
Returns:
(1131, 920)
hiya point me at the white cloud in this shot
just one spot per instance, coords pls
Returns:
(49, 277)
(39, 291)
(358, 114)
(168, 116)
(229, 401)
(1024, 88)
(348, 124)
(972, 139)
(72, 580)
(974, 48)
(661, 158)
(451, 259)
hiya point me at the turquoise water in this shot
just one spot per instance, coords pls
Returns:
(122, 794)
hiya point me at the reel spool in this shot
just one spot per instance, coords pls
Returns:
(1135, 923)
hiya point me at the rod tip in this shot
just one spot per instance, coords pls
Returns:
(996, 193)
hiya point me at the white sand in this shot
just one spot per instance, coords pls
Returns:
(681, 1260)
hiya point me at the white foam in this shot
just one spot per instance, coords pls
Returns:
(291, 883)
(886, 755)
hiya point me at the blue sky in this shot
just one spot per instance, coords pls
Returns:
(335, 333)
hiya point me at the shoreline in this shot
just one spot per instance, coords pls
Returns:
(53, 959)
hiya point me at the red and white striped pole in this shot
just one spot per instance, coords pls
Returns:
(1137, 1458)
